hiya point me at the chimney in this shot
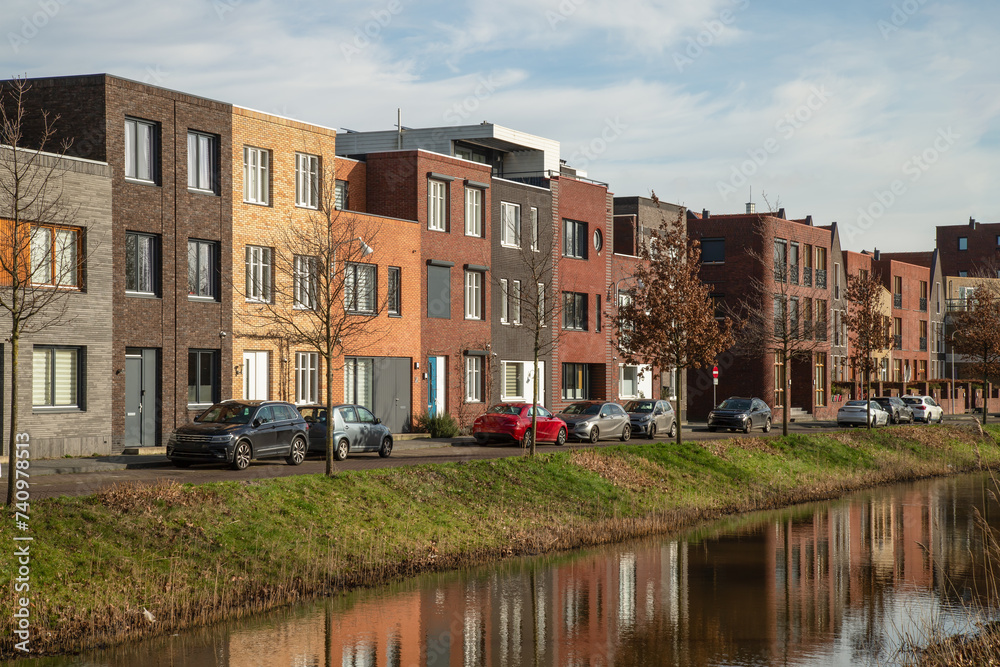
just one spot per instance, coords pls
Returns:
(809, 220)
(876, 255)
(705, 213)
(751, 208)
(781, 213)
(972, 222)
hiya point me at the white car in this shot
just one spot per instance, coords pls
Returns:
(856, 413)
(925, 409)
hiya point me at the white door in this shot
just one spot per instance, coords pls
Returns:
(255, 375)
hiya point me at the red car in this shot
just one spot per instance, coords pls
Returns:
(511, 422)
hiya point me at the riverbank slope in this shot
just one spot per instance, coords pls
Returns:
(195, 554)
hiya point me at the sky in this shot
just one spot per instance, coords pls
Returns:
(880, 115)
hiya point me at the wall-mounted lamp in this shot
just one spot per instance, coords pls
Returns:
(238, 369)
(222, 334)
(119, 371)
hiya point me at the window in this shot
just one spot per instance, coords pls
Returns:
(203, 161)
(394, 302)
(473, 212)
(54, 256)
(306, 180)
(780, 260)
(203, 262)
(306, 377)
(140, 150)
(574, 311)
(439, 292)
(473, 379)
(836, 280)
(820, 378)
(575, 381)
(141, 258)
(473, 295)
(963, 274)
(510, 230)
(713, 251)
(598, 240)
(963, 243)
(513, 380)
(779, 379)
(574, 239)
(540, 315)
(629, 382)
(258, 265)
(534, 228)
(256, 175)
(305, 282)
(359, 288)
(437, 216)
(793, 263)
(203, 377)
(599, 313)
(779, 315)
(358, 378)
(56, 377)
(504, 303)
(340, 199)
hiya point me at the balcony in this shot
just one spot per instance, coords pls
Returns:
(807, 276)
(923, 344)
(821, 278)
(897, 300)
(923, 303)
(779, 273)
(958, 305)
(793, 274)
(897, 342)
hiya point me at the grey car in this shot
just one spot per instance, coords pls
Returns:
(593, 420)
(650, 417)
(355, 429)
(898, 410)
(737, 413)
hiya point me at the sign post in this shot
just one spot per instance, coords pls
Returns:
(715, 383)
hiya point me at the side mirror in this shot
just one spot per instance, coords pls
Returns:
(256, 423)
(378, 421)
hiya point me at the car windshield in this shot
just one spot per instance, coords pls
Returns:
(583, 409)
(639, 406)
(735, 404)
(504, 410)
(227, 413)
(854, 404)
(913, 401)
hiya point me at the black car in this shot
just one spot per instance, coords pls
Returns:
(740, 413)
(896, 407)
(234, 432)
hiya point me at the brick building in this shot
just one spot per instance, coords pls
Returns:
(857, 264)
(970, 250)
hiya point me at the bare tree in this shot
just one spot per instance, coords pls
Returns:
(869, 328)
(669, 321)
(977, 335)
(324, 294)
(41, 257)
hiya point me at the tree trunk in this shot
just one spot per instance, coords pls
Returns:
(986, 395)
(534, 413)
(329, 414)
(868, 398)
(787, 391)
(11, 443)
(680, 394)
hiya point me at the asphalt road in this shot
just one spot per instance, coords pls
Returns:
(45, 486)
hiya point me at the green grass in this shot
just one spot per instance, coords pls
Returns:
(194, 554)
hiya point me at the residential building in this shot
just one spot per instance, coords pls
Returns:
(858, 264)
(971, 250)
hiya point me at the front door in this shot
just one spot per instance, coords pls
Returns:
(435, 385)
(393, 386)
(142, 401)
(255, 376)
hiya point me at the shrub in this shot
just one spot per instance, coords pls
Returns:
(439, 426)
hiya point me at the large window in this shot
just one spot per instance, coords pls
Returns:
(575, 381)
(394, 299)
(515, 302)
(57, 377)
(55, 256)
(510, 230)
(256, 175)
(306, 377)
(629, 382)
(780, 260)
(473, 379)
(306, 180)
(141, 263)
(203, 162)
(713, 251)
(820, 379)
(340, 196)
(504, 302)
(305, 281)
(358, 380)
(534, 228)
(437, 214)
(359, 288)
(473, 212)
(258, 265)
(140, 150)
(203, 377)
(513, 380)
(473, 295)
(574, 239)
(574, 311)
(203, 269)
(439, 292)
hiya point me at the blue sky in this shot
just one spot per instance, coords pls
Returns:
(879, 115)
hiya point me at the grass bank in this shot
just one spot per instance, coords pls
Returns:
(196, 554)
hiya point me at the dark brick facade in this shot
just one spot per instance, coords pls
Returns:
(972, 249)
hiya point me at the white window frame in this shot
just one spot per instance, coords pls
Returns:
(504, 307)
(256, 175)
(212, 269)
(51, 379)
(473, 211)
(510, 225)
(202, 161)
(574, 239)
(306, 377)
(360, 287)
(515, 302)
(135, 142)
(306, 280)
(437, 212)
(635, 381)
(359, 374)
(473, 295)
(534, 229)
(473, 379)
(306, 180)
(259, 274)
(522, 384)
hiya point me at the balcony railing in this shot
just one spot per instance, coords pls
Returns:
(821, 278)
(923, 344)
(897, 342)
(897, 300)
(793, 274)
(955, 305)
(807, 276)
(779, 273)
(923, 303)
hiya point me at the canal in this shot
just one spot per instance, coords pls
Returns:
(845, 582)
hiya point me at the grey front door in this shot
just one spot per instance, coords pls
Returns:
(142, 401)
(392, 389)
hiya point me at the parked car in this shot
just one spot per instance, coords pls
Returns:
(511, 422)
(925, 409)
(740, 413)
(593, 420)
(355, 429)
(650, 417)
(857, 413)
(897, 408)
(235, 432)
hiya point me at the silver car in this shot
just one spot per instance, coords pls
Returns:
(355, 429)
(650, 417)
(855, 413)
(593, 420)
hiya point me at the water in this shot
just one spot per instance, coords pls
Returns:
(836, 583)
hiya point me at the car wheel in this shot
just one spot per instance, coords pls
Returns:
(526, 439)
(941, 417)
(767, 425)
(711, 429)
(242, 455)
(340, 453)
(182, 464)
(482, 438)
(673, 430)
(748, 426)
(297, 454)
(386, 449)
(595, 434)
(652, 431)
(626, 433)
(895, 417)
(561, 438)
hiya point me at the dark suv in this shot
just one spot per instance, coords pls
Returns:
(234, 432)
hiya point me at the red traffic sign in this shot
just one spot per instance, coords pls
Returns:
(715, 371)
